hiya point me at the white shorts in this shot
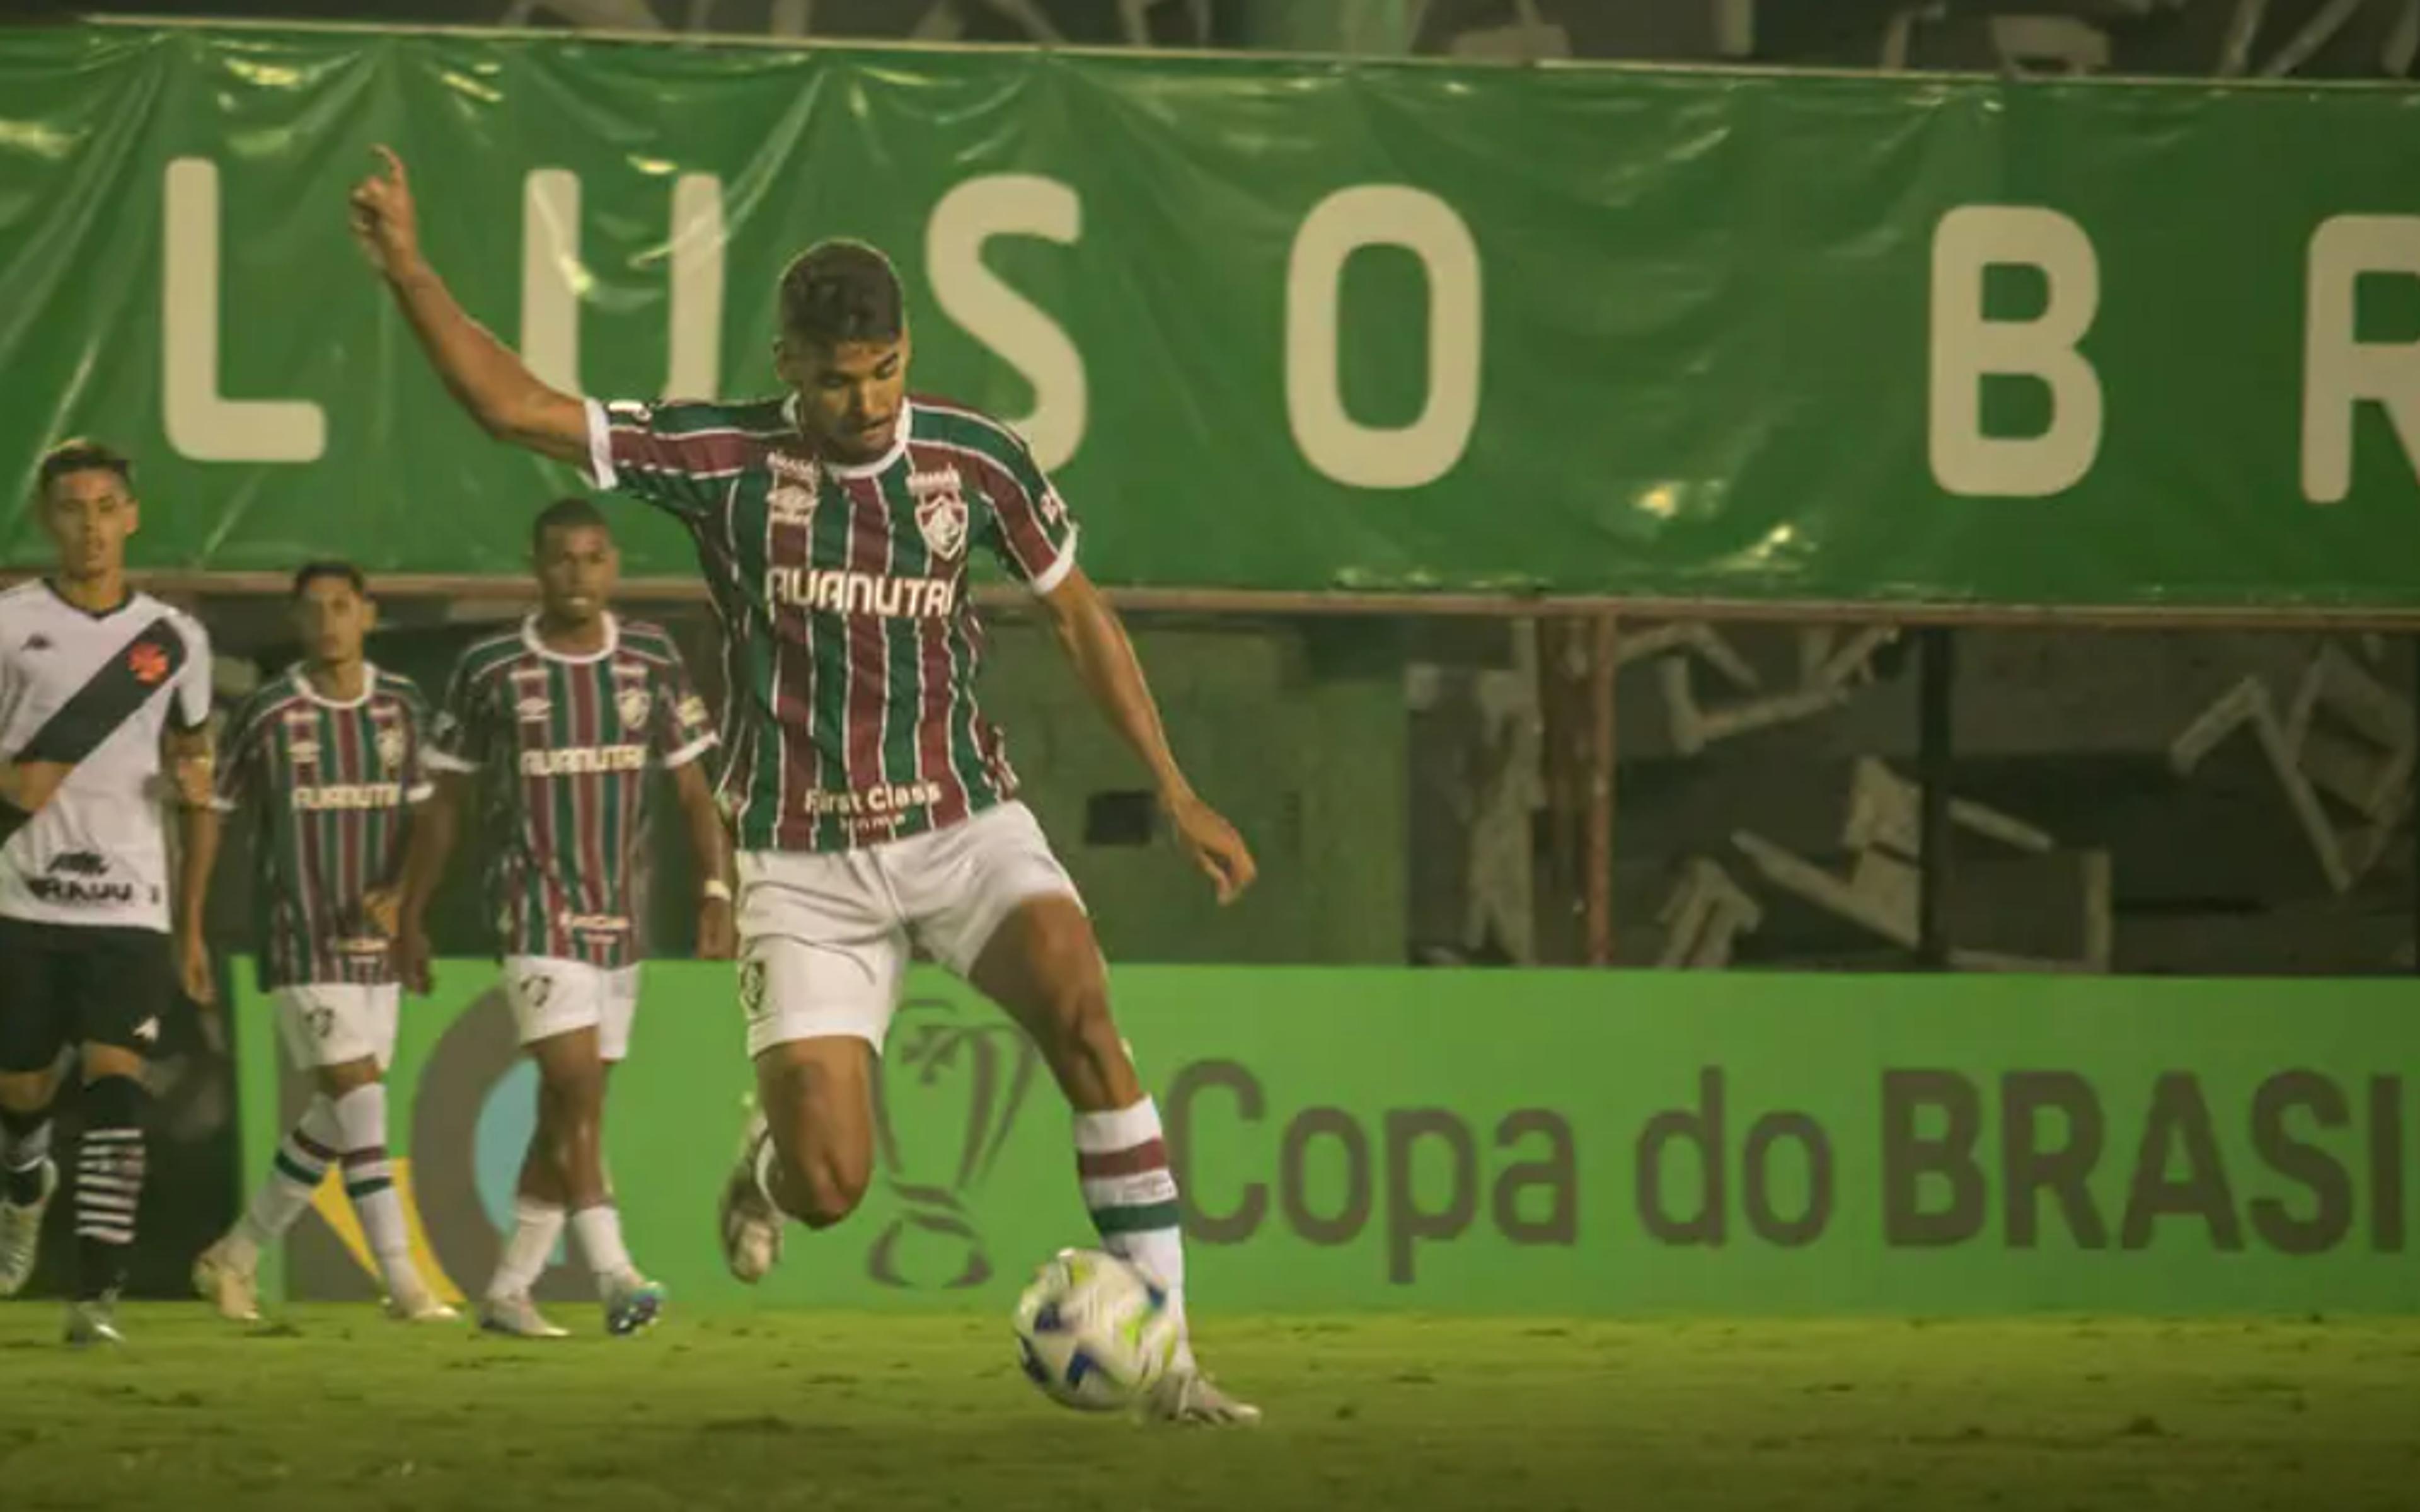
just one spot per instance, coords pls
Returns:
(337, 1022)
(824, 940)
(551, 997)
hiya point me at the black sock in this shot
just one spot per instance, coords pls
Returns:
(24, 1145)
(109, 1184)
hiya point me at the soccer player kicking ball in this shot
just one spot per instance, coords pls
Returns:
(104, 703)
(872, 801)
(329, 758)
(566, 716)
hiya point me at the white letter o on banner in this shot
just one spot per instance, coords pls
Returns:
(1366, 456)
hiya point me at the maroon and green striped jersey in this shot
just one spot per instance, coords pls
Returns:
(330, 786)
(564, 747)
(851, 646)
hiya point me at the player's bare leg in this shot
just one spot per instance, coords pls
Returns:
(564, 1175)
(1044, 967)
(227, 1274)
(28, 1176)
(537, 1225)
(539, 1209)
(809, 1153)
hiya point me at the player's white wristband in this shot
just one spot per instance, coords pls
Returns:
(717, 890)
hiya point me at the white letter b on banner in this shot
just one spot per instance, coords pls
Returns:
(1968, 346)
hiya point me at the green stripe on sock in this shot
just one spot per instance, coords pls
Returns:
(294, 1173)
(1140, 1220)
(363, 1189)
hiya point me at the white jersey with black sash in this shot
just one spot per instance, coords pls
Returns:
(97, 693)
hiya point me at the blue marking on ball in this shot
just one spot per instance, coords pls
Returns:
(1034, 1369)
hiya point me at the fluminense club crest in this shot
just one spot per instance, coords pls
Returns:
(941, 510)
(390, 745)
(632, 703)
(797, 481)
(301, 732)
(1054, 509)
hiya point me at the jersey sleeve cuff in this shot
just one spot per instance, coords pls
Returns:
(691, 752)
(222, 805)
(1050, 577)
(600, 446)
(420, 791)
(447, 761)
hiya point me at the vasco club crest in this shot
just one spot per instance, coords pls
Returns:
(941, 510)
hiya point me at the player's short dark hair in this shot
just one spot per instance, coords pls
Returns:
(840, 291)
(311, 572)
(79, 453)
(572, 513)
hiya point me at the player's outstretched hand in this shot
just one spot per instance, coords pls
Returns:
(385, 221)
(194, 974)
(1218, 850)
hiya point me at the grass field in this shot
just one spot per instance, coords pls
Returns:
(334, 1408)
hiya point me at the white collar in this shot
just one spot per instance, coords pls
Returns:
(867, 470)
(311, 691)
(613, 642)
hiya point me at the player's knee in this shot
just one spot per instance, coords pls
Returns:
(1081, 1043)
(1080, 1027)
(26, 1091)
(571, 1125)
(568, 1120)
(570, 1091)
(1066, 973)
(349, 1076)
(820, 1191)
(108, 1062)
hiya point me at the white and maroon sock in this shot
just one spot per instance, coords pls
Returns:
(1121, 1162)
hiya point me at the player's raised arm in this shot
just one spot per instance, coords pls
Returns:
(487, 377)
(1094, 639)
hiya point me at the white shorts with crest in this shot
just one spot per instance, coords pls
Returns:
(551, 997)
(825, 939)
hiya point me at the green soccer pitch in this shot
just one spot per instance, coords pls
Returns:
(335, 1407)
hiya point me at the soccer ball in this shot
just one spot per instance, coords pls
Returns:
(1092, 1332)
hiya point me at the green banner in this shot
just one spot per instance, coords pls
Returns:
(1279, 324)
(1556, 1142)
